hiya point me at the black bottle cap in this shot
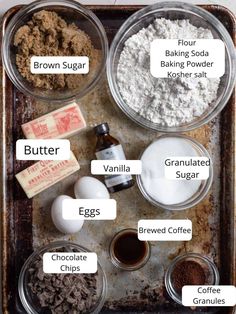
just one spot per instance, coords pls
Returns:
(102, 128)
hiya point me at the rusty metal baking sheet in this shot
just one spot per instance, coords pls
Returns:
(26, 224)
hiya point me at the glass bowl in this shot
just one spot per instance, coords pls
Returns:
(71, 12)
(199, 18)
(210, 270)
(119, 264)
(203, 189)
(30, 301)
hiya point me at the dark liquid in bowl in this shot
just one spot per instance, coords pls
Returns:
(129, 250)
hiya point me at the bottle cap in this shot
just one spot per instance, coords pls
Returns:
(102, 128)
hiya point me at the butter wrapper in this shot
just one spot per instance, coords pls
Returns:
(45, 173)
(61, 123)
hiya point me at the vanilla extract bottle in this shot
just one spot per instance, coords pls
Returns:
(109, 148)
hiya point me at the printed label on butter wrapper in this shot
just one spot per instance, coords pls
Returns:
(60, 123)
(45, 173)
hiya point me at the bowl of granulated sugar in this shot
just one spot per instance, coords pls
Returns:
(180, 101)
(169, 178)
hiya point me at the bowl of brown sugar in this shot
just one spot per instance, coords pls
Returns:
(187, 270)
(54, 29)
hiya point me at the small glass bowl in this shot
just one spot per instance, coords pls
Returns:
(116, 262)
(72, 12)
(203, 189)
(209, 267)
(30, 301)
(173, 11)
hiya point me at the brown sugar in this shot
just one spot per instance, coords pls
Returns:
(47, 34)
(187, 273)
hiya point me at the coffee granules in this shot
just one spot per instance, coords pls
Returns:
(187, 273)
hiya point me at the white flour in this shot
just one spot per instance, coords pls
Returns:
(168, 102)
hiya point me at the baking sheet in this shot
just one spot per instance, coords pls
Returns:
(27, 224)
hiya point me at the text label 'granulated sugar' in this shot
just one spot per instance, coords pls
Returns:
(187, 168)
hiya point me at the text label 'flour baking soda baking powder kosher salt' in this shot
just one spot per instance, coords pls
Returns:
(193, 59)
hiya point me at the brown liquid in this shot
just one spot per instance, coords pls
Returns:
(129, 250)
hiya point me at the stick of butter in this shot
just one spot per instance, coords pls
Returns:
(60, 123)
(45, 173)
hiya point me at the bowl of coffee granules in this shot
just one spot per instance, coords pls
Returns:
(62, 28)
(189, 269)
(60, 293)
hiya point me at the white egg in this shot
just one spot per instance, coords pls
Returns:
(64, 226)
(89, 187)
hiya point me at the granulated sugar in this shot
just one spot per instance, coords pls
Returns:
(167, 102)
(153, 178)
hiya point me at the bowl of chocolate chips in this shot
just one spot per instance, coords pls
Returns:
(60, 293)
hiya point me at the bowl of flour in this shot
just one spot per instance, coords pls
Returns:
(167, 104)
